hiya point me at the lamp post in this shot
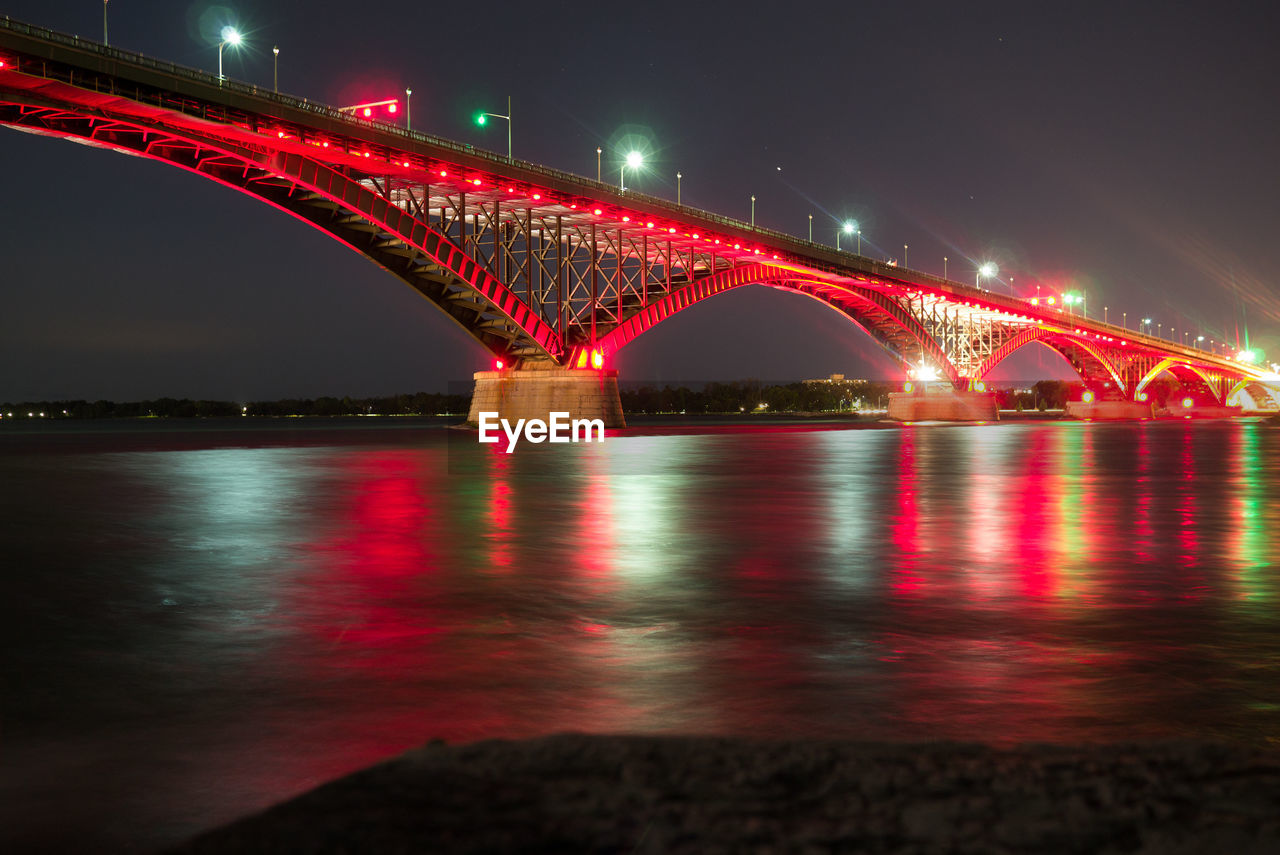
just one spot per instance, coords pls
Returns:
(104, 22)
(1104, 314)
(987, 269)
(408, 110)
(1010, 286)
(634, 159)
(598, 151)
(275, 68)
(753, 212)
(482, 118)
(849, 227)
(230, 36)
(904, 256)
(944, 267)
(678, 177)
(811, 228)
(1124, 316)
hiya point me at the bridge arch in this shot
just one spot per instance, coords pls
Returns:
(1256, 389)
(1191, 377)
(1086, 358)
(342, 208)
(876, 313)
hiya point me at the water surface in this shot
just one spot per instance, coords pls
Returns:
(200, 620)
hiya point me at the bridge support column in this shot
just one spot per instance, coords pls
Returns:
(943, 404)
(1178, 408)
(536, 392)
(1108, 410)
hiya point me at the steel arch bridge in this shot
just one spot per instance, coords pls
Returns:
(540, 266)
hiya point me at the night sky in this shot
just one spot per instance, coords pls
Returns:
(1126, 149)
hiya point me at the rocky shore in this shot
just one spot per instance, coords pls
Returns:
(577, 793)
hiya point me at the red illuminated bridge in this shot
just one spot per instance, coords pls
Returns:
(553, 272)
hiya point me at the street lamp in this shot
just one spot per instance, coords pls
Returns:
(230, 36)
(944, 267)
(753, 212)
(904, 256)
(849, 227)
(1104, 314)
(985, 270)
(598, 151)
(811, 228)
(1125, 319)
(482, 118)
(634, 159)
(275, 68)
(104, 22)
(408, 110)
(678, 177)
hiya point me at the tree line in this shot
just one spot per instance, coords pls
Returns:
(419, 404)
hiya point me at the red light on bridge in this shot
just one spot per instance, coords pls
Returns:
(280, 134)
(648, 225)
(598, 212)
(443, 173)
(1187, 403)
(537, 196)
(497, 364)
(597, 359)
(1087, 397)
(475, 181)
(368, 111)
(325, 143)
(626, 219)
(391, 108)
(671, 231)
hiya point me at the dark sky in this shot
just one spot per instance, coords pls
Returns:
(1126, 148)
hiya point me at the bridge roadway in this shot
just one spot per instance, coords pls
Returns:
(553, 272)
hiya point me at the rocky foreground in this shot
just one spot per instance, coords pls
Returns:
(575, 793)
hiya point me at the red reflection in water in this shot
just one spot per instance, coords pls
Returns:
(904, 525)
(1035, 524)
(1143, 533)
(1187, 538)
(498, 515)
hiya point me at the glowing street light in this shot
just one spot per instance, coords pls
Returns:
(408, 111)
(850, 227)
(678, 177)
(634, 160)
(482, 119)
(753, 212)
(230, 36)
(986, 270)
(275, 68)
(599, 151)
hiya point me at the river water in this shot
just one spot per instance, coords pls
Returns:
(200, 620)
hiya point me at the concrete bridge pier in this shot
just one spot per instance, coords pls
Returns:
(534, 392)
(941, 403)
(1099, 410)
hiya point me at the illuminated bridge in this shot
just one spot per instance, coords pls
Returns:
(553, 272)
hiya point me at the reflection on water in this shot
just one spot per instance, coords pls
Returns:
(191, 634)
